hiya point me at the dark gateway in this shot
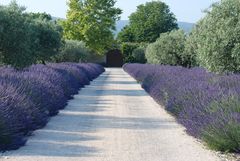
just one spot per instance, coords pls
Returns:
(114, 58)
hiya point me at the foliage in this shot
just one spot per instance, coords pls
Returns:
(133, 52)
(126, 35)
(189, 54)
(148, 22)
(208, 105)
(47, 38)
(14, 37)
(26, 38)
(139, 55)
(92, 22)
(30, 96)
(127, 49)
(42, 16)
(216, 38)
(224, 134)
(168, 49)
(72, 51)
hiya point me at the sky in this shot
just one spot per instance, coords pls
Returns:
(185, 10)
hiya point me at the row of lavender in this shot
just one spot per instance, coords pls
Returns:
(208, 105)
(29, 97)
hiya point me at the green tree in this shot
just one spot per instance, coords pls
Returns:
(216, 39)
(73, 51)
(46, 36)
(150, 20)
(139, 55)
(126, 35)
(26, 38)
(189, 53)
(168, 49)
(46, 39)
(92, 22)
(127, 51)
(41, 16)
(14, 36)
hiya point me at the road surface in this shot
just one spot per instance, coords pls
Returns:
(113, 119)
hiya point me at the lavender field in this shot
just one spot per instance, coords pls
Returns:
(208, 105)
(109, 80)
(31, 96)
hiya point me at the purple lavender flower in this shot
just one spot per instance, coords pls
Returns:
(30, 96)
(208, 105)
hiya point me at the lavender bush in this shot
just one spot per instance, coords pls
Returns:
(208, 105)
(30, 96)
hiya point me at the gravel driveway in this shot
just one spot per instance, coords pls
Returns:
(113, 119)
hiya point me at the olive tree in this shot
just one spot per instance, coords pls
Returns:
(14, 36)
(168, 49)
(216, 38)
(72, 51)
(27, 38)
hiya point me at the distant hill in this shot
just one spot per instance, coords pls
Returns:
(187, 27)
(57, 18)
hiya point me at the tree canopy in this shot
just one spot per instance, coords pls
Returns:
(168, 49)
(14, 39)
(215, 41)
(148, 22)
(26, 38)
(126, 35)
(72, 51)
(92, 21)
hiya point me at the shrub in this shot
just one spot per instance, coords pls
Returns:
(30, 96)
(130, 52)
(168, 49)
(189, 54)
(216, 38)
(15, 112)
(73, 74)
(72, 51)
(127, 49)
(208, 105)
(139, 55)
(223, 133)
